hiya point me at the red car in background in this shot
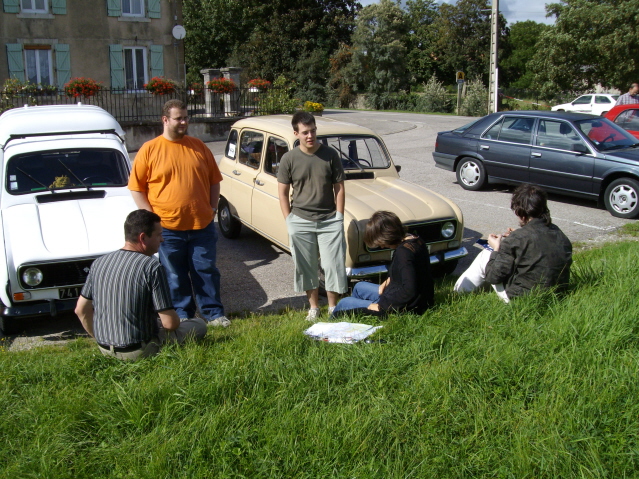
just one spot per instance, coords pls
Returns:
(627, 117)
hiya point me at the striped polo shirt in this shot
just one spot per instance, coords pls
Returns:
(128, 289)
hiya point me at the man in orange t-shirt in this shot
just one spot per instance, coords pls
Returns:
(176, 177)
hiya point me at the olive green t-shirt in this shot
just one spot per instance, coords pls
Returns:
(312, 178)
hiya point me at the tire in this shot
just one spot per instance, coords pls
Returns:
(622, 198)
(471, 174)
(229, 225)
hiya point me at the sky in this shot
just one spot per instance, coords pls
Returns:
(512, 10)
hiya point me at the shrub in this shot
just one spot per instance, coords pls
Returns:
(392, 101)
(259, 84)
(82, 86)
(279, 99)
(475, 103)
(221, 85)
(313, 107)
(435, 97)
(160, 86)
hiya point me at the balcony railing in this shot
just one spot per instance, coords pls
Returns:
(140, 105)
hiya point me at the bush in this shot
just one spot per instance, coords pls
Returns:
(435, 97)
(160, 86)
(279, 99)
(82, 86)
(392, 101)
(475, 103)
(221, 85)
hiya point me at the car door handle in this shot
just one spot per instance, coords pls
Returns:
(235, 172)
(259, 182)
(484, 147)
(536, 155)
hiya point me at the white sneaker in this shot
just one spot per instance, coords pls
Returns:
(221, 321)
(330, 310)
(313, 314)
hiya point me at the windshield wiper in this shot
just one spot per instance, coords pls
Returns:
(33, 179)
(72, 173)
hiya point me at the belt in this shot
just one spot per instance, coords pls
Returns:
(125, 349)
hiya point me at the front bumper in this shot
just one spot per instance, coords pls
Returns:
(51, 307)
(376, 270)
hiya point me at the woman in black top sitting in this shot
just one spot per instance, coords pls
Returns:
(409, 286)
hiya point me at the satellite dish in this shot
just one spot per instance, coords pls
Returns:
(179, 32)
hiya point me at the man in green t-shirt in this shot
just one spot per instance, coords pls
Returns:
(315, 215)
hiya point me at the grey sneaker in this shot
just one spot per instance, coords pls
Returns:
(313, 314)
(221, 321)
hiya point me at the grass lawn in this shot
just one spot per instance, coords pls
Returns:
(545, 387)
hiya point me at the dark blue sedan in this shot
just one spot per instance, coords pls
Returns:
(568, 153)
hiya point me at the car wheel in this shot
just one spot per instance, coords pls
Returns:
(622, 198)
(471, 174)
(229, 225)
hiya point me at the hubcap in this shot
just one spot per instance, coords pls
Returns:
(224, 218)
(623, 199)
(469, 173)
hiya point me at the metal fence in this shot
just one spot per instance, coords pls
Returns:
(140, 105)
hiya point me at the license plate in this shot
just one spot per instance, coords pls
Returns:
(70, 293)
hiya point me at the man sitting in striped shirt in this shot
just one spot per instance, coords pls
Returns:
(125, 293)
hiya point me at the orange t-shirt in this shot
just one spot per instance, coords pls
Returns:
(177, 178)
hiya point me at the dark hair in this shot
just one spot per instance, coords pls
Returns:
(529, 202)
(169, 105)
(303, 117)
(139, 221)
(384, 229)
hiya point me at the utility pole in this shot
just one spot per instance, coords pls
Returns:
(493, 83)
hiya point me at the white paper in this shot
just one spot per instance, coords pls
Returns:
(340, 332)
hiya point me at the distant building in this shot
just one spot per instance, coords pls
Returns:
(122, 43)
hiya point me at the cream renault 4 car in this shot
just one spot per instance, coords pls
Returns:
(249, 192)
(63, 203)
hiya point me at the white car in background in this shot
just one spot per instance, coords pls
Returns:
(593, 103)
(63, 203)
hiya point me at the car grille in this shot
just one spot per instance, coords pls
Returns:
(59, 274)
(429, 232)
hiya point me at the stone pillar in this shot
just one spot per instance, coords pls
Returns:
(232, 100)
(211, 100)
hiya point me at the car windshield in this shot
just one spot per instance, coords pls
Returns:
(358, 152)
(605, 135)
(65, 169)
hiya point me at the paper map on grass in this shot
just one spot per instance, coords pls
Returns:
(340, 332)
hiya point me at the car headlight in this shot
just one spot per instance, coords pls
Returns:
(32, 276)
(448, 229)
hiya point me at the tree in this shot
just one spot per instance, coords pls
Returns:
(420, 15)
(592, 42)
(379, 43)
(461, 34)
(522, 41)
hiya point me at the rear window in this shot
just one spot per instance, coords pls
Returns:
(66, 169)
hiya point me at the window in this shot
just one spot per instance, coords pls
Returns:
(37, 61)
(557, 134)
(583, 100)
(251, 144)
(512, 129)
(231, 144)
(602, 99)
(34, 6)
(135, 68)
(275, 148)
(628, 119)
(132, 8)
(357, 152)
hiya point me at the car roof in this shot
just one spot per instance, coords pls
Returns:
(55, 119)
(281, 125)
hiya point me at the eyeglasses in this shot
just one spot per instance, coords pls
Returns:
(180, 119)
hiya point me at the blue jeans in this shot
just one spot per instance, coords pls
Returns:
(364, 293)
(189, 260)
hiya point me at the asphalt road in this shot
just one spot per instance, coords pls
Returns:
(257, 276)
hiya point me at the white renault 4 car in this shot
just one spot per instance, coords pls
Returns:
(63, 203)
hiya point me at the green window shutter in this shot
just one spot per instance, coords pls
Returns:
(157, 60)
(11, 6)
(59, 7)
(154, 9)
(16, 63)
(62, 64)
(114, 8)
(117, 66)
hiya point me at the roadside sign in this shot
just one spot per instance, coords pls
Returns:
(460, 76)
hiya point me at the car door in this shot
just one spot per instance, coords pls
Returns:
(583, 104)
(505, 148)
(557, 159)
(266, 213)
(602, 104)
(246, 155)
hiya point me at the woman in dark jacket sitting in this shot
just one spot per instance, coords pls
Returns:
(409, 286)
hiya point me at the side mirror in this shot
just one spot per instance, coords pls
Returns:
(580, 148)
(398, 168)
